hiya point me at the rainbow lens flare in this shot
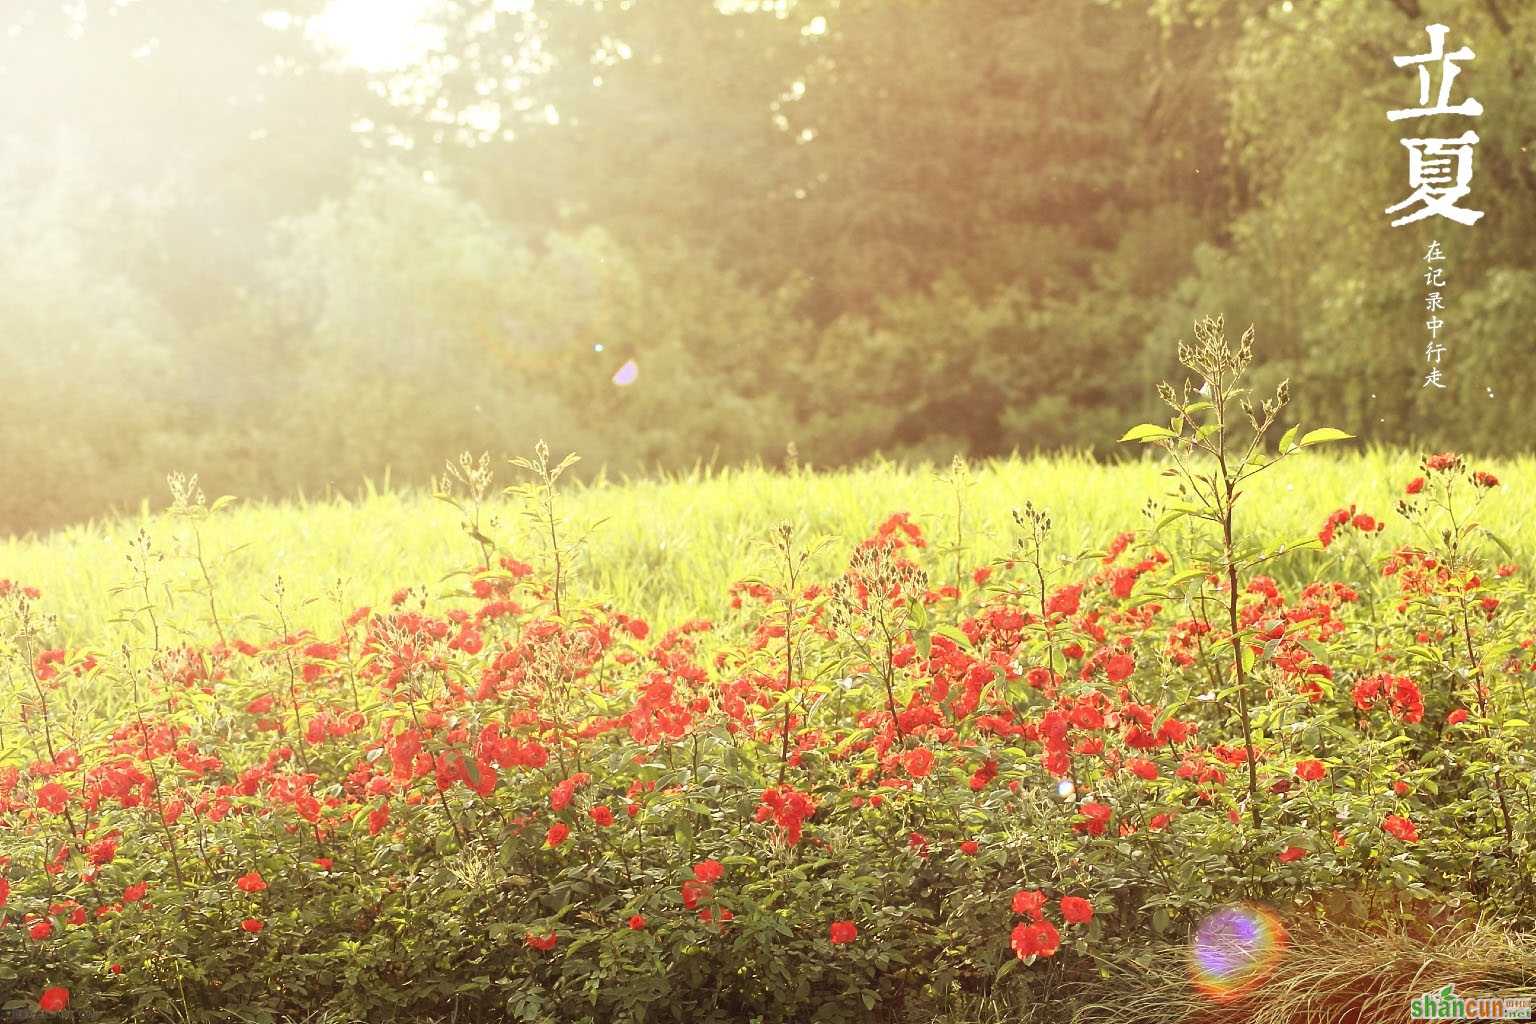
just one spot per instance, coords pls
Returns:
(1234, 950)
(627, 374)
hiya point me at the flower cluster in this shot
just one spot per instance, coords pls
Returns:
(846, 764)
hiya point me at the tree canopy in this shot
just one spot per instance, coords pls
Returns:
(855, 226)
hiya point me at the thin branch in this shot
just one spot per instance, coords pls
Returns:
(1498, 16)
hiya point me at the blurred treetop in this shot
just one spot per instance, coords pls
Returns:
(858, 225)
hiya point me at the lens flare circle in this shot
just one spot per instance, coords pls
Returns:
(627, 374)
(1234, 950)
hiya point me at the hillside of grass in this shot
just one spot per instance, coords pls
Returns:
(670, 548)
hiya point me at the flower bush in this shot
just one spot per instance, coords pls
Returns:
(915, 789)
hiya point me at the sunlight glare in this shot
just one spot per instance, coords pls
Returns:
(377, 35)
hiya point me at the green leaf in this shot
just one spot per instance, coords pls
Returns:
(1322, 435)
(1288, 438)
(1500, 542)
(1186, 576)
(225, 500)
(1147, 432)
(954, 633)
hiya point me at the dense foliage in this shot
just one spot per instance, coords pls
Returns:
(920, 789)
(850, 225)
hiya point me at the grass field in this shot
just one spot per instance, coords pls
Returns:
(886, 800)
(669, 549)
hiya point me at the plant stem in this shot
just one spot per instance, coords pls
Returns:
(1228, 491)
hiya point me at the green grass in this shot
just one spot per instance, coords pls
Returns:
(668, 549)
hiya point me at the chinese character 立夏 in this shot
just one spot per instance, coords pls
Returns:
(1448, 73)
(1435, 183)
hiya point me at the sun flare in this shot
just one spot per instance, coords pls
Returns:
(377, 35)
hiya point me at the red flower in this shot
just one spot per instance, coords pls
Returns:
(1065, 601)
(251, 881)
(709, 871)
(135, 892)
(5, 890)
(53, 798)
(694, 892)
(1096, 817)
(103, 851)
(1310, 770)
(1442, 461)
(983, 775)
(842, 931)
(1142, 768)
(1076, 910)
(1291, 853)
(41, 930)
(252, 925)
(1403, 695)
(1029, 901)
(1485, 479)
(636, 923)
(788, 808)
(1119, 667)
(602, 815)
(970, 847)
(1038, 939)
(1415, 485)
(54, 1000)
(557, 833)
(1401, 827)
(918, 762)
(1022, 941)
(1454, 718)
(544, 943)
